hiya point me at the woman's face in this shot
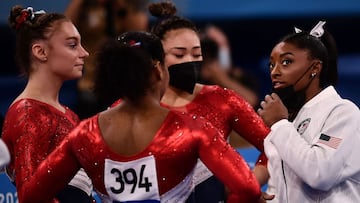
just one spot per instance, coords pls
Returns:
(180, 46)
(64, 52)
(290, 65)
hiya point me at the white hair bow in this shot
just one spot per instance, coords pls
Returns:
(32, 13)
(317, 31)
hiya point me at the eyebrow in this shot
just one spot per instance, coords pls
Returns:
(179, 48)
(72, 38)
(183, 48)
(286, 53)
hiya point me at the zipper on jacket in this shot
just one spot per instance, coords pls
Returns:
(286, 189)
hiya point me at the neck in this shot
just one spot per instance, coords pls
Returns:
(313, 89)
(43, 88)
(45, 85)
(176, 97)
(145, 104)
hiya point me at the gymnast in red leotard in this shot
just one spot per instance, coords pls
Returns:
(49, 52)
(139, 150)
(223, 108)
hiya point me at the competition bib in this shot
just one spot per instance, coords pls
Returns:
(133, 181)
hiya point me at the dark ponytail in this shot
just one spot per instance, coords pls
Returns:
(125, 67)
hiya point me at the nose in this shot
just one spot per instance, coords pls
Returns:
(190, 58)
(275, 71)
(84, 53)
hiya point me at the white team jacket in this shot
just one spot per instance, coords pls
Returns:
(316, 158)
(4, 155)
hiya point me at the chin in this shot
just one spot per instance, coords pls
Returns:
(75, 76)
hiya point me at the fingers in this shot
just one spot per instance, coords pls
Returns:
(268, 98)
(266, 196)
(263, 104)
(275, 96)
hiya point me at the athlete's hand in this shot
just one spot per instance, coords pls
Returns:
(272, 109)
(265, 197)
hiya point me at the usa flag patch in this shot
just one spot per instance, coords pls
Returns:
(330, 141)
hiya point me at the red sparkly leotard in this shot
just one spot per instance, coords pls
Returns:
(227, 111)
(32, 129)
(162, 172)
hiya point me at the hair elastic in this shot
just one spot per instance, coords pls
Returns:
(25, 14)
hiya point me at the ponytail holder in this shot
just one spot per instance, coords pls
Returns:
(25, 14)
(22, 18)
(317, 31)
(133, 43)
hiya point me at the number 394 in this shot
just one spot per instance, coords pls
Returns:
(130, 177)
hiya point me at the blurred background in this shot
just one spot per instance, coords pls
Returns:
(252, 28)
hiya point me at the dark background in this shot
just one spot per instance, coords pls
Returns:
(253, 28)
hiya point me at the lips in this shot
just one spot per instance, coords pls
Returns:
(277, 84)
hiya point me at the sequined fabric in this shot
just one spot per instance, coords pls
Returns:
(32, 129)
(177, 145)
(227, 111)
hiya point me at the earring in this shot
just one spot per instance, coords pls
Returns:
(44, 59)
(313, 75)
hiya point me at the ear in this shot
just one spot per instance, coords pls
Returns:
(159, 71)
(38, 50)
(317, 67)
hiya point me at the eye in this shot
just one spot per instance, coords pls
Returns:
(271, 65)
(179, 56)
(286, 62)
(72, 45)
(196, 53)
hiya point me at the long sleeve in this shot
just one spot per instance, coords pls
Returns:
(51, 176)
(32, 129)
(321, 164)
(24, 132)
(233, 171)
(248, 124)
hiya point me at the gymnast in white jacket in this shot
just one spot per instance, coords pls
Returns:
(314, 144)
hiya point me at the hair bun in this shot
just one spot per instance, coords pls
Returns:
(162, 9)
(15, 14)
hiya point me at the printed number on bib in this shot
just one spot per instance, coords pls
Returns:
(131, 181)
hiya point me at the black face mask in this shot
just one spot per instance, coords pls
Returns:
(293, 100)
(183, 76)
